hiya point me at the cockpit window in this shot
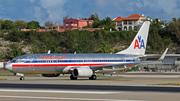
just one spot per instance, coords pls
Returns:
(19, 60)
(13, 61)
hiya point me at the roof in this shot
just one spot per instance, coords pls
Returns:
(118, 19)
(131, 17)
(56, 26)
(134, 16)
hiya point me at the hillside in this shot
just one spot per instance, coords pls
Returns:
(14, 42)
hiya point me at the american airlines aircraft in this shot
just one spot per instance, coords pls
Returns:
(82, 65)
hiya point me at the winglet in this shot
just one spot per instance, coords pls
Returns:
(49, 52)
(163, 55)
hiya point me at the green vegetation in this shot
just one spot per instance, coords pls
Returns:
(107, 76)
(2, 79)
(8, 25)
(14, 52)
(33, 25)
(106, 23)
(173, 84)
(20, 24)
(131, 69)
(162, 34)
(99, 41)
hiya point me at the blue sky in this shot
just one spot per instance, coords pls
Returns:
(55, 10)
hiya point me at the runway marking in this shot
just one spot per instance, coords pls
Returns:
(60, 98)
(56, 91)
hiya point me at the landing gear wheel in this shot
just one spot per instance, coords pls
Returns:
(93, 77)
(73, 78)
(21, 78)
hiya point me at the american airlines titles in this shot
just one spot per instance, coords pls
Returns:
(53, 57)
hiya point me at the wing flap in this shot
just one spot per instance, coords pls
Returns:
(118, 64)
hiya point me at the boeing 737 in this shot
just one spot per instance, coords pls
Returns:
(82, 65)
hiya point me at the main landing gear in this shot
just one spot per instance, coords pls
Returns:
(93, 77)
(72, 77)
(22, 78)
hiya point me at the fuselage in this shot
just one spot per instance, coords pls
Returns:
(62, 63)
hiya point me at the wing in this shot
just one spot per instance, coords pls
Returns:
(119, 64)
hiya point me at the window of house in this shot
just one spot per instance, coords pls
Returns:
(130, 22)
(125, 22)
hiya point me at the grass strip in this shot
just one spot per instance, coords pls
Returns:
(2, 79)
(171, 84)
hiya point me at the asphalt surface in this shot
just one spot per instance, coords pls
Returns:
(136, 88)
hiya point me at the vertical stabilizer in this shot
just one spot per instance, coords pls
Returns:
(138, 45)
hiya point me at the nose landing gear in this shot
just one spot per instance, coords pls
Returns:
(21, 75)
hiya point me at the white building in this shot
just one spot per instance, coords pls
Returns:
(132, 22)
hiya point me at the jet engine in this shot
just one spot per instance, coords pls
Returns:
(50, 75)
(82, 72)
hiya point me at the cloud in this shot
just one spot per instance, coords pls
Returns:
(164, 9)
(54, 9)
(37, 13)
(32, 1)
(102, 3)
(168, 8)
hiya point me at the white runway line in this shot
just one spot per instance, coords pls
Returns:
(56, 91)
(59, 98)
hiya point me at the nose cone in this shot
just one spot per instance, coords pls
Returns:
(9, 66)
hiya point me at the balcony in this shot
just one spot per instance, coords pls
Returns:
(119, 24)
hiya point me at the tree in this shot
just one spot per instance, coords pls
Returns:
(8, 25)
(14, 36)
(49, 23)
(15, 51)
(20, 24)
(174, 27)
(1, 21)
(107, 23)
(104, 48)
(33, 25)
(66, 17)
(94, 17)
(154, 39)
(1, 56)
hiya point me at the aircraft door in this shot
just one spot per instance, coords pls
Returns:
(31, 64)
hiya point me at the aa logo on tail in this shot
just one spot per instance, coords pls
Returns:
(139, 43)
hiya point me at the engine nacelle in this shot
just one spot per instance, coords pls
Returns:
(82, 72)
(50, 75)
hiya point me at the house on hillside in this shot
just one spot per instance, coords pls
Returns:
(73, 24)
(132, 22)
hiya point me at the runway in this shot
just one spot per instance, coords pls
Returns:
(102, 89)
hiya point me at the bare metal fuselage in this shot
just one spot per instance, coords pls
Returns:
(63, 63)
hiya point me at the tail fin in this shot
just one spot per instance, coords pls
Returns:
(138, 45)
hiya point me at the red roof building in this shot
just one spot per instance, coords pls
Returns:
(73, 24)
(132, 22)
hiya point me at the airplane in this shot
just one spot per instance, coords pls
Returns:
(82, 65)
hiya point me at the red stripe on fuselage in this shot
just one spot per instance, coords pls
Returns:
(51, 65)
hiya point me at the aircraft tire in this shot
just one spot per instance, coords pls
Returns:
(93, 77)
(73, 78)
(21, 78)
